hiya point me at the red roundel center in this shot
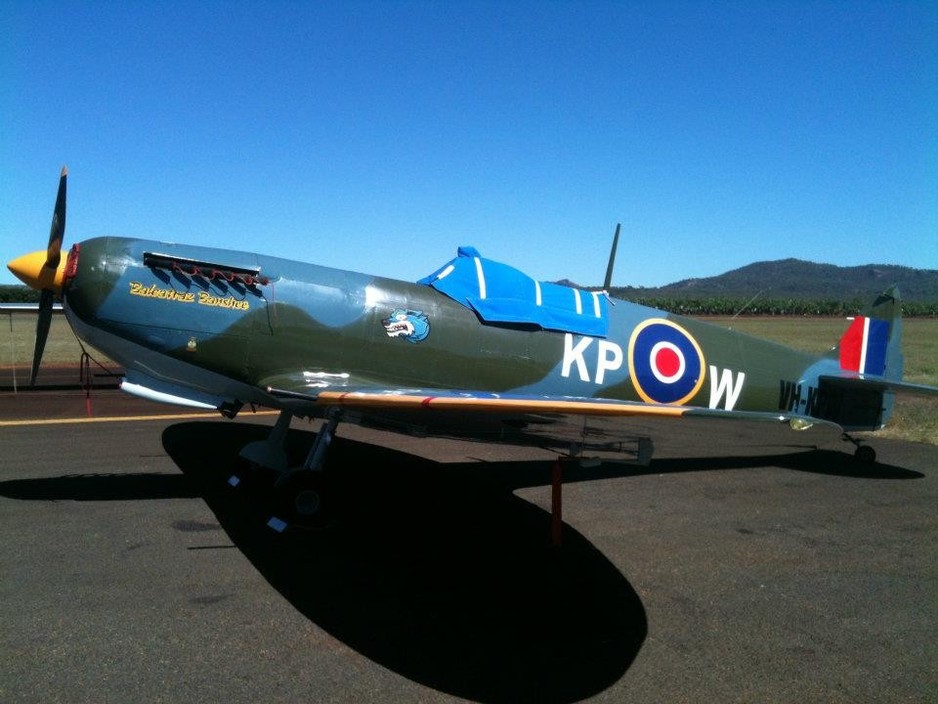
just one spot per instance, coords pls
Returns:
(667, 362)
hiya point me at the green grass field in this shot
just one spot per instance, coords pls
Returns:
(62, 347)
(915, 417)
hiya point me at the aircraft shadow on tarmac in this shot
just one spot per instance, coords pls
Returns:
(435, 571)
(441, 573)
(101, 487)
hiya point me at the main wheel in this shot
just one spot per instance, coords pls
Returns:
(302, 499)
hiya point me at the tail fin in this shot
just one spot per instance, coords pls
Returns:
(872, 345)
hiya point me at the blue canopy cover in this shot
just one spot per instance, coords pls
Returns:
(499, 293)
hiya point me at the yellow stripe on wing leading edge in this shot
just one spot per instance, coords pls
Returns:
(451, 403)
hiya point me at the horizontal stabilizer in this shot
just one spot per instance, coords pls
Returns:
(880, 384)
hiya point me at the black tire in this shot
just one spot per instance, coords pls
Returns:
(303, 499)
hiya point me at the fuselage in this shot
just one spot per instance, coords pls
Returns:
(197, 317)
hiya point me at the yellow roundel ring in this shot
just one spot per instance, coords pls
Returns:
(666, 364)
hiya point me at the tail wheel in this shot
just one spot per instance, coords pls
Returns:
(865, 454)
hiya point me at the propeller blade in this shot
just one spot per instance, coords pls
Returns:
(43, 323)
(57, 230)
(53, 257)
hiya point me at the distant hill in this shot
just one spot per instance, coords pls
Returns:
(800, 280)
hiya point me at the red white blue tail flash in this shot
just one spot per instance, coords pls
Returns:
(863, 346)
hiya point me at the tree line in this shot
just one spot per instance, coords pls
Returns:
(18, 294)
(777, 306)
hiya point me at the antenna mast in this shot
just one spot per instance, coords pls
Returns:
(612, 259)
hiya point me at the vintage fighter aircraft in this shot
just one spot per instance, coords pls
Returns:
(476, 350)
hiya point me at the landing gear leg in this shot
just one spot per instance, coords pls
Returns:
(863, 453)
(301, 491)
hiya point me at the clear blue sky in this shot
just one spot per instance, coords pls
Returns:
(379, 136)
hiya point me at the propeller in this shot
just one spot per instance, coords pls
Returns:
(44, 271)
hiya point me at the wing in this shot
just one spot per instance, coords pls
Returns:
(593, 427)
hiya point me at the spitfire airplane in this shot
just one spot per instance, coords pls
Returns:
(476, 350)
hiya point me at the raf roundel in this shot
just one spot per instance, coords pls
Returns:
(665, 362)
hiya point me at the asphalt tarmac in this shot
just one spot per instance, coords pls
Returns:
(749, 569)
